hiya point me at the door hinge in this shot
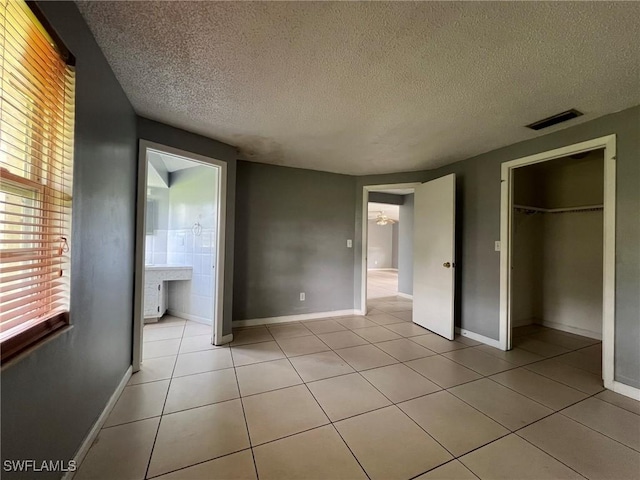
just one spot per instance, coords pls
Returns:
(158, 308)
(158, 287)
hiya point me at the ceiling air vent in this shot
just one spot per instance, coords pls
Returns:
(554, 119)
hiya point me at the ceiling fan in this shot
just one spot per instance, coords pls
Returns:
(382, 219)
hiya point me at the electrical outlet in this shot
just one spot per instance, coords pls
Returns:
(349, 243)
(496, 245)
(302, 296)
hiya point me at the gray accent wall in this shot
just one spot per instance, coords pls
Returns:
(478, 226)
(380, 245)
(394, 245)
(388, 198)
(52, 397)
(191, 142)
(405, 246)
(292, 227)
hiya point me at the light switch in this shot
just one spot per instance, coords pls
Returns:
(349, 243)
(497, 246)
(302, 296)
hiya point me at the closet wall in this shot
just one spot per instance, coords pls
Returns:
(557, 256)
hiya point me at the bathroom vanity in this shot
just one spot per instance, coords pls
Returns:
(155, 287)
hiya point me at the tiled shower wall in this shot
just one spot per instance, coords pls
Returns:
(192, 299)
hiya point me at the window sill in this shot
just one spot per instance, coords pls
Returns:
(16, 348)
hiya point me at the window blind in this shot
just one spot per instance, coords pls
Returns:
(36, 155)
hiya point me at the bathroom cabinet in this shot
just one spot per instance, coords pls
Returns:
(155, 288)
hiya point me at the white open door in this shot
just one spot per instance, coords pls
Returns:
(433, 255)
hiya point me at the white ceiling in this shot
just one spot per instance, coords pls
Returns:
(391, 211)
(369, 87)
(160, 164)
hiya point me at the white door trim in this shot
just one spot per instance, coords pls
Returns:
(218, 296)
(365, 222)
(608, 143)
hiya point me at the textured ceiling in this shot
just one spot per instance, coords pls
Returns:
(364, 87)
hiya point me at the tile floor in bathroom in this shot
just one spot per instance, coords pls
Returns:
(357, 397)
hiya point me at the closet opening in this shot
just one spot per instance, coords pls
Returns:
(557, 256)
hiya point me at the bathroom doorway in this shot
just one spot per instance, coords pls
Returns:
(179, 253)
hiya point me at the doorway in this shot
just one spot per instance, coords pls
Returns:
(387, 244)
(557, 248)
(432, 254)
(387, 273)
(179, 251)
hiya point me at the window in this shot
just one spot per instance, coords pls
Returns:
(36, 155)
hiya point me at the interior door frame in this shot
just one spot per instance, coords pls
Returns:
(608, 143)
(141, 208)
(365, 231)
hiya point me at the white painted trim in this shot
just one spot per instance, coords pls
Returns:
(218, 294)
(365, 222)
(626, 390)
(97, 426)
(227, 339)
(478, 338)
(608, 143)
(188, 316)
(569, 329)
(294, 318)
(609, 263)
(405, 295)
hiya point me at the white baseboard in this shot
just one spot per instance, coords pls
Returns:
(575, 330)
(405, 295)
(294, 318)
(626, 390)
(523, 322)
(188, 316)
(479, 338)
(93, 433)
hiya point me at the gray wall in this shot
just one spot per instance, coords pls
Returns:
(405, 246)
(292, 227)
(52, 397)
(478, 226)
(389, 198)
(190, 142)
(380, 245)
(394, 245)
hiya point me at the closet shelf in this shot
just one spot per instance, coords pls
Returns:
(585, 208)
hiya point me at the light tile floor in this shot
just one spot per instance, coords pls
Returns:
(382, 283)
(328, 399)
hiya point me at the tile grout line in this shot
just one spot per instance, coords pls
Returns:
(164, 404)
(547, 453)
(244, 415)
(331, 422)
(198, 463)
(454, 459)
(589, 427)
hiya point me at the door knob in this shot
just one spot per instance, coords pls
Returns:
(446, 265)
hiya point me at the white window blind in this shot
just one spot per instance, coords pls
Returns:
(36, 155)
